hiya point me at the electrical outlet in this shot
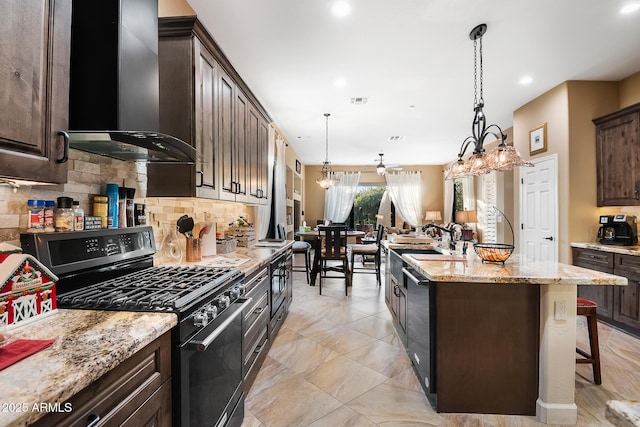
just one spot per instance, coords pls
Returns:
(560, 310)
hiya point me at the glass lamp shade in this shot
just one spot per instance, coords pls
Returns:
(381, 169)
(505, 157)
(478, 164)
(457, 170)
(326, 182)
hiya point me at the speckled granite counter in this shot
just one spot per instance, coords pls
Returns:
(88, 345)
(627, 250)
(623, 413)
(516, 270)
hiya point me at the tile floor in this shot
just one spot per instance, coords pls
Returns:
(337, 361)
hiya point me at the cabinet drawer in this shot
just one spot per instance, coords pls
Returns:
(627, 264)
(252, 313)
(595, 260)
(119, 393)
(255, 330)
(257, 347)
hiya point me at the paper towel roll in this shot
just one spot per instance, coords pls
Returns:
(209, 240)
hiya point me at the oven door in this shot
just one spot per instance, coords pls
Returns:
(278, 270)
(211, 372)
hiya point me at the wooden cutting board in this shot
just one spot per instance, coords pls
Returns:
(414, 240)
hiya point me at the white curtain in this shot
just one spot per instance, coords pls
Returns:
(279, 176)
(448, 200)
(263, 212)
(468, 193)
(338, 200)
(405, 189)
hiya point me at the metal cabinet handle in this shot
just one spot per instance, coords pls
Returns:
(548, 238)
(396, 290)
(65, 152)
(635, 193)
(93, 420)
(201, 173)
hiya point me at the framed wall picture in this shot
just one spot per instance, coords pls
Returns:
(538, 139)
(298, 166)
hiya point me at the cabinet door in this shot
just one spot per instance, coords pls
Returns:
(34, 88)
(205, 110)
(626, 299)
(226, 94)
(263, 161)
(240, 147)
(618, 161)
(253, 147)
(601, 295)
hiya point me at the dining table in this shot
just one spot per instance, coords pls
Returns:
(313, 237)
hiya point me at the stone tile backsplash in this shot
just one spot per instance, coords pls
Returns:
(88, 175)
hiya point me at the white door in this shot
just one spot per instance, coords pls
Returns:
(539, 210)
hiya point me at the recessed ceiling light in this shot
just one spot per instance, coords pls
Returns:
(630, 8)
(341, 9)
(525, 80)
(359, 100)
(340, 82)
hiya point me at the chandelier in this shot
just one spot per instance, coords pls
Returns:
(327, 179)
(381, 169)
(501, 158)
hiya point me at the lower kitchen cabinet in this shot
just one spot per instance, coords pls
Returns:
(618, 305)
(255, 326)
(136, 393)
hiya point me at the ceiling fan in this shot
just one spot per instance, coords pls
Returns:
(381, 168)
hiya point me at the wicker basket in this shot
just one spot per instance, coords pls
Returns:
(495, 252)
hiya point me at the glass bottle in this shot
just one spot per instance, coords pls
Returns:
(64, 214)
(100, 209)
(49, 217)
(78, 216)
(122, 207)
(35, 213)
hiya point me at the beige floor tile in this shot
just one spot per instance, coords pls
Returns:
(370, 306)
(408, 380)
(382, 357)
(343, 417)
(374, 327)
(343, 314)
(344, 340)
(343, 378)
(302, 354)
(271, 373)
(388, 404)
(250, 421)
(280, 406)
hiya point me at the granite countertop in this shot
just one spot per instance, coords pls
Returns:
(88, 344)
(623, 413)
(627, 250)
(253, 257)
(517, 269)
(426, 246)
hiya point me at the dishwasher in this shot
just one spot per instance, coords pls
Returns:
(421, 329)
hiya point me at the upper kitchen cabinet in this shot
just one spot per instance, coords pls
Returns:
(34, 89)
(205, 102)
(618, 157)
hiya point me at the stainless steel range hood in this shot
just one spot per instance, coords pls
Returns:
(114, 87)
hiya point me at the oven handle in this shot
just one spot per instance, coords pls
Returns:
(202, 345)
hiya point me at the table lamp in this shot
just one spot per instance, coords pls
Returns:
(432, 216)
(465, 217)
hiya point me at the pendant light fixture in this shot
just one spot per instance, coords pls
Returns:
(327, 179)
(502, 157)
(381, 169)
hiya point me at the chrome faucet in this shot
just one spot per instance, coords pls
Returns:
(452, 240)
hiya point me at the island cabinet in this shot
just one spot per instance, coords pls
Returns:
(255, 326)
(618, 305)
(618, 157)
(35, 86)
(136, 393)
(204, 102)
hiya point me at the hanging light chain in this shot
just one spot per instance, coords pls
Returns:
(475, 73)
(481, 74)
(326, 158)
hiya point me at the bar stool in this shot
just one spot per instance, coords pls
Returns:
(588, 308)
(300, 247)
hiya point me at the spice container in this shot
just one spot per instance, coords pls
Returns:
(49, 221)
(64, 214)
(141, 216)
(112, 206)
(100, 208)
(36, 216)
(131, 192)
(78, 216)
(122, 207)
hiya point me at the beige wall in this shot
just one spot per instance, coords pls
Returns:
(630, 90)
(432, 188)
(174, 8)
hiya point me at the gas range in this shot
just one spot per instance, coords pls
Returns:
(113, 269)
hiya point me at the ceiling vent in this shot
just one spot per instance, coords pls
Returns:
(396, 138)
(359, 100)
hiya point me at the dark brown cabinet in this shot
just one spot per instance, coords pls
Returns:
(255, 326)
(618, 305)
(204, 101)
(35, 86)
(136, 393)
(618, 157)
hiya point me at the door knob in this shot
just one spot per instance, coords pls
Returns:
(548, 238)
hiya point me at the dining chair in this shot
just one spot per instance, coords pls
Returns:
(333, 248)
(367, 250)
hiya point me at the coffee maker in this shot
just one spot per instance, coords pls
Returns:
(618, 229)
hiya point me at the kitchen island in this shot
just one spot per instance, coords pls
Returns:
(503, 337)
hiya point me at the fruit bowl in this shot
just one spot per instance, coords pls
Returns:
(493, 252)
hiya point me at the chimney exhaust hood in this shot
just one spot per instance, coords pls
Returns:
(114, 88)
